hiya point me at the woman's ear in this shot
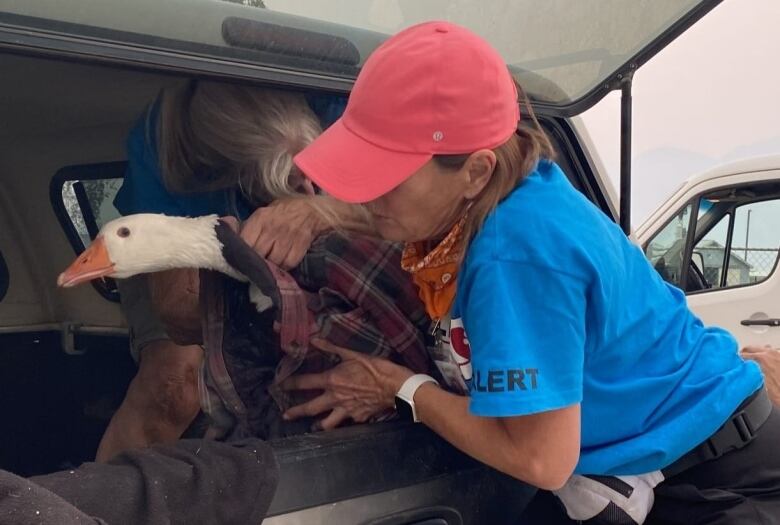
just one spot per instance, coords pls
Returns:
(479, 168)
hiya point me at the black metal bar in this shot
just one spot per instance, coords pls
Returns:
(724, 273)
(625, 154)
(687, 252)
(86, 209)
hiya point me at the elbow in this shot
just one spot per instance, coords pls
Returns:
(548, 471)
(544, 448)
(551, 478)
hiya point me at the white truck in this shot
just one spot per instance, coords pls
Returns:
(717, 238)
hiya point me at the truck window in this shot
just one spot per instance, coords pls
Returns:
(754, 248)
(735, 240)
(666, 250)
(83, 200)
(709, 254)
(742, 248)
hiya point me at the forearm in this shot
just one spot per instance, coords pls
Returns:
(175, 296)
(541, 449)
(537, 449)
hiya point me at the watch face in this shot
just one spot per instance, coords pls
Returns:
(403, 409)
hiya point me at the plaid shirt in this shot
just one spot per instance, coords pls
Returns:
(350, 291)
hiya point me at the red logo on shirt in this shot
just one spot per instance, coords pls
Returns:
(459, 346)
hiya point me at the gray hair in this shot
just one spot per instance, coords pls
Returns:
(214, 135)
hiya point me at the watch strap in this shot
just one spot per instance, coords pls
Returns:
(409, 388)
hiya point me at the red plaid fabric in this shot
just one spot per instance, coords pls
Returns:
(349, 291)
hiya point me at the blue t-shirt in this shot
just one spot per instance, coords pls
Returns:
(143, 189)
(559, 308)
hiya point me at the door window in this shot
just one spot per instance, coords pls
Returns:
(735, 239)
(89, 204)
(666, 249)
(709, 253)
(756, 241)
(83, 199)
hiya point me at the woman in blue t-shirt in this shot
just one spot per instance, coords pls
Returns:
(202, 148)
(578, 359)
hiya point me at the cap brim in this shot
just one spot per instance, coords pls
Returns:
(354, 170)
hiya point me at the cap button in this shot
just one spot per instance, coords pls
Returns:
(441, 29)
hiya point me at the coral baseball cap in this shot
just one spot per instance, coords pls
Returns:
(434, 88)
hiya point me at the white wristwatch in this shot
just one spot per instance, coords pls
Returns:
(406, 393)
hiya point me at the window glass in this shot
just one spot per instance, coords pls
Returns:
(83, 198)
(755, 242)
(737, 239)
(665, 251)
(558, 49)
(709, 254)
(100, 195)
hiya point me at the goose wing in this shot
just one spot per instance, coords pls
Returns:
(245, 260)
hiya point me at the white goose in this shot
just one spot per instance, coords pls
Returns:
(146, 243)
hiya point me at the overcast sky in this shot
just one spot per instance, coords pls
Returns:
(710, 97)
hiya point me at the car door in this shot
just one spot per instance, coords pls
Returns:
(718, 240)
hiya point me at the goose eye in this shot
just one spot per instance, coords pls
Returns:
(123, 232)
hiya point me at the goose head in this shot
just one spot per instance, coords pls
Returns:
(146, 243)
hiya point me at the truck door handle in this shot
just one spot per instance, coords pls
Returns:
(760, 322)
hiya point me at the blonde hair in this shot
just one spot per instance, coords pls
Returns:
(515, 159)
(214, 135)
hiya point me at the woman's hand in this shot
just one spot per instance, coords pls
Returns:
(357, 388)
(769, 360)
(283, 231)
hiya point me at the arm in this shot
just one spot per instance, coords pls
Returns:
(768, 359)
(284, 231)
(174, 295)
(532, 431)
(541, 449)
(162, 398)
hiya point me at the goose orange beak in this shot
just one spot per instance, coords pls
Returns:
(93, 263)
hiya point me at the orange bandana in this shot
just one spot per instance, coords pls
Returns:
(434, 273)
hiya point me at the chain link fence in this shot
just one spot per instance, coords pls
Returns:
(761, 260)
(745, 265)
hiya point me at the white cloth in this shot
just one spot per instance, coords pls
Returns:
(585, 498)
